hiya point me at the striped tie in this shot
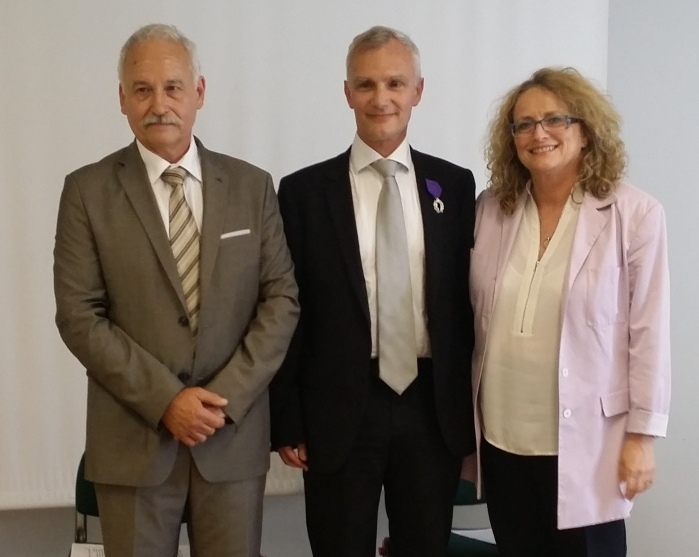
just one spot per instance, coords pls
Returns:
(184, 240)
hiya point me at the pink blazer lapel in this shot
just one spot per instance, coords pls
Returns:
(593, 219)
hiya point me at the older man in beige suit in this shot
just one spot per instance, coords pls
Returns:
(180, 341)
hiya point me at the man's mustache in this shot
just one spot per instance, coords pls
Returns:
(160, 120)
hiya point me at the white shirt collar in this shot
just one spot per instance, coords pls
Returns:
(155, 164)
(361, 155)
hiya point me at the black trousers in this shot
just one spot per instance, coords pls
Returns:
(521, 492)
(400, 448)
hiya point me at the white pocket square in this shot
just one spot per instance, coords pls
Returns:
(235, 233)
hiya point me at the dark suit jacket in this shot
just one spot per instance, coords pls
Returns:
(121, 311)
(319, 395)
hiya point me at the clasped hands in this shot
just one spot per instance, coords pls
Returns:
(194, 415)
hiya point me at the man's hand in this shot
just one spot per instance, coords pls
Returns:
(637, 464)
(194, 415)
(296, 458)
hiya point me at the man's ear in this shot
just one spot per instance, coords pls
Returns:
(122, 98)
(348, 95)
(201, 91)
(418, 91)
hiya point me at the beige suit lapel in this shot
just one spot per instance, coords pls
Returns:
(134, 180)
(215, 187)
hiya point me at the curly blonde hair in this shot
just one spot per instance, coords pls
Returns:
(604, 157)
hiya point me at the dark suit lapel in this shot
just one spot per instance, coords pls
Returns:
(215, 187)
(134, 180)
(339, 197)
(433, 227)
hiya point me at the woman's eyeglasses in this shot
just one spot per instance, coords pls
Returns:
(552, 123)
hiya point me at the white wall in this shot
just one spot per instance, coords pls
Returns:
(654, 81)
(274, 71)
(58, 105)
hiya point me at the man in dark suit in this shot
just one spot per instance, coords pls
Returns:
(336, 413)
(175, 289)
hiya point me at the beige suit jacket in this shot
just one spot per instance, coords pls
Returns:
(121, 312)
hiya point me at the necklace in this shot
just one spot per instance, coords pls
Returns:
(544, 244)
(551, 214)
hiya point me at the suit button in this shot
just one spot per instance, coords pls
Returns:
(184, 377)
(183, 321)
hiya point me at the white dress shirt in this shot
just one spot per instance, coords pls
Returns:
(366, 186)
(156, 165)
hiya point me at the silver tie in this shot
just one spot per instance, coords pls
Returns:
(184, 240)
(394, 295)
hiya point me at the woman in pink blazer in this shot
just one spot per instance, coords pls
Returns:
(569, 284)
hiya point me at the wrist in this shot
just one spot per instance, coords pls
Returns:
(640, 437)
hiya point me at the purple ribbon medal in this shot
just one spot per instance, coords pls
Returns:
(435, 191)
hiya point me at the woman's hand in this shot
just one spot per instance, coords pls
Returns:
(637, 464)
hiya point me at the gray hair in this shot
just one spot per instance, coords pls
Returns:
(159, 31)
(378, 36)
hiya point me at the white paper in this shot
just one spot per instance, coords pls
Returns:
(96, 550)
(485, 535)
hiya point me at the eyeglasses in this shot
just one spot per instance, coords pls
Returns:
(552, 123)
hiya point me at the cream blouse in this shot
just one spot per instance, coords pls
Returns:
(519, 388)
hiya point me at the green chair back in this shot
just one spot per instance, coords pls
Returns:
(85, 498)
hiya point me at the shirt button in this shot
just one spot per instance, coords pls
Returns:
(564, 373)
(567, 413)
